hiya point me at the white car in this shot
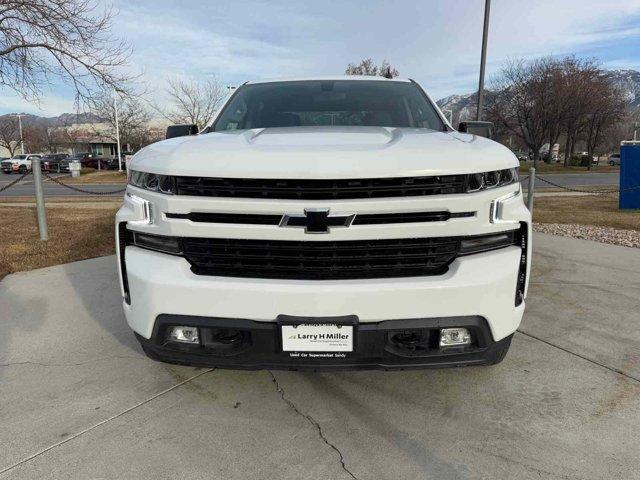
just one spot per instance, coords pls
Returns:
(19, 163)
(325, 223)
(614, 159)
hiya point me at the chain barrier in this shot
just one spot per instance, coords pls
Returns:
(82, 190)
(590, 192)
(17, 180)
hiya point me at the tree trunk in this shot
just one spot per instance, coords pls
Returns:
(536, 156)
(567, 148)
(573, 145)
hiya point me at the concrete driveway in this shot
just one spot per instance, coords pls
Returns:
(79, 400)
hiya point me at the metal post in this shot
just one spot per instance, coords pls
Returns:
(532, 181)
(37, 183)
(19, 115)
(483, 58)
(115, 106)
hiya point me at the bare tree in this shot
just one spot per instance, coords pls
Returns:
(581, 85)
(65, 39)
(133, 118)
(368, 67)
(9, 134)
(36, 137)
(387, 71)
(519, 107)
(608, 109)
(542, 100)
(193, 102)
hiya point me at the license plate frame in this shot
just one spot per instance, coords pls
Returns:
(345, 325)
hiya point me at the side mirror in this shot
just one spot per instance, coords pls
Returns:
(181, 131)
(482, 129)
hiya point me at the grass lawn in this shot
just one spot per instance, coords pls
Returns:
(601, 211)
(75, 233)
(560, 168)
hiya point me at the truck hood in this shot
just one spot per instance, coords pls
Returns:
(324, 152)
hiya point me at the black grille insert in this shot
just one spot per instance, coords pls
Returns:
(321, 260)
(362, 219)
(320, 189)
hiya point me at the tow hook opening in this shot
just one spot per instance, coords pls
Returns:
(411, 342)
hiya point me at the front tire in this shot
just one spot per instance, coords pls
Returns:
(612, 163)
(22, 170)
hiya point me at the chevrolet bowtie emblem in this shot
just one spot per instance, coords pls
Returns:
(316, 220)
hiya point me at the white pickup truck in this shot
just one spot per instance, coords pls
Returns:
(325, 223)
(19, 163)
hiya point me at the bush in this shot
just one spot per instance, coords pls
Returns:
(580, 161)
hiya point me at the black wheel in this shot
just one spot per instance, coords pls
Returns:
(500, 351)
(612, 163)
(22, 170)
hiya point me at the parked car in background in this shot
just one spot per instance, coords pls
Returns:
(19, 163)
(112, 163)
(83, 158)
(614, 159)
(51, 162)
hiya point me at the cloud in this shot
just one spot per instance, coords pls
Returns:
(436, 42)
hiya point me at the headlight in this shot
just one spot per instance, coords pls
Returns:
(494, 179)
(153, 182)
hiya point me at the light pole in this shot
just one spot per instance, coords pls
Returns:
(115, 107)
(19, 115)
(483, 58)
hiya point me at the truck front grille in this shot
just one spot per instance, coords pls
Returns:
(321, 189)
(328, 260)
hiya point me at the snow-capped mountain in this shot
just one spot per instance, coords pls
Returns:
(629, 82)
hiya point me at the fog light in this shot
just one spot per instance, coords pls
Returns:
(451, 337)
(184, 334)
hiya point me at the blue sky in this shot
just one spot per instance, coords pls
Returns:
(436, 42)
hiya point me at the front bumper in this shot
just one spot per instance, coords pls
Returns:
(476, 285)
(375, 347)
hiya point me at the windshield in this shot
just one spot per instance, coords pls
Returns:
(329, 103)
(19, 157)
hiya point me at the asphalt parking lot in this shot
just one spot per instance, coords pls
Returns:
(79, 400)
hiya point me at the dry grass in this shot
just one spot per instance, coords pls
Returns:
(107, 176)
(601, 211)
(74, 234)
(79, 199)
